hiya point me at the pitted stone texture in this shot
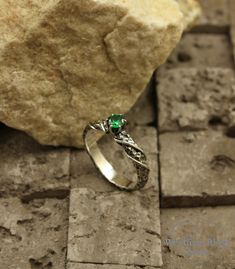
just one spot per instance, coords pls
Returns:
(198, 238)
(30, 170)
(65, 68)
(197, 168)
(199, 50)
(85, 174)
(193, 99)
(215, 16)
(232, 24)
(33, 235)
(104, 266)
(18, 16)
(114, 227)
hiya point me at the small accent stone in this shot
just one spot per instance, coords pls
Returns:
(116, 121)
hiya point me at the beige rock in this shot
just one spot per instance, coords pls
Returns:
(65, 63)
(191, 10)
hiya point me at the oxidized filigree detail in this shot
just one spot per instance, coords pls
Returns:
(136, 154)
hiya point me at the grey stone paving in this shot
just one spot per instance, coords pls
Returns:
(114, 227)
(199, 50)
(33, 235)
(104, 266)
(198, 238)
(196, 99)
(215, 18)
(232, 25)
(29, 170)
(202, 169)
(197, 161)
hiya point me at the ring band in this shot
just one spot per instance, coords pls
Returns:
(115, 125)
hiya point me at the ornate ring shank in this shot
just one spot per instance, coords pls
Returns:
(92, 133)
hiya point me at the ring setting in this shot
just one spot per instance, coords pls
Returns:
(115, 125)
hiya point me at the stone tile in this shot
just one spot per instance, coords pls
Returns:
(199, 50)
(33, 235)
(104, 266)
(215, 16)
(198, 238)
(114, 227)
(196, 99)
(232, 24)
(197, 168)
(29, 170)
(109, 226)
(85, 174)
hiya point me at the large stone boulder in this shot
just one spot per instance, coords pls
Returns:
(64, 63)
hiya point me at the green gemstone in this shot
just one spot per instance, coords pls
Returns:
(116, 121)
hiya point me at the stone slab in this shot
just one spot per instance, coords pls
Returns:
(215, 17)
(109, 226)
(33, 235)
(198, 238)
(232, 24)
(196, 98)
(104, 266)
(197, 169)
(29, 170)
(114, 227)
(202, 50)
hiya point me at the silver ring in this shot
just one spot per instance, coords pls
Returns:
(115, 125)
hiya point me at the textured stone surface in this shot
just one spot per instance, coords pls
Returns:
(33, 235)
(29, 170)
(215, 16)
(63, 63)
(198, 238)
(191, 10)
(104, 266)
(114, 227)
(232, 24)
(194, 99)
(202, 50)
(197, 168)
(108, 226)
